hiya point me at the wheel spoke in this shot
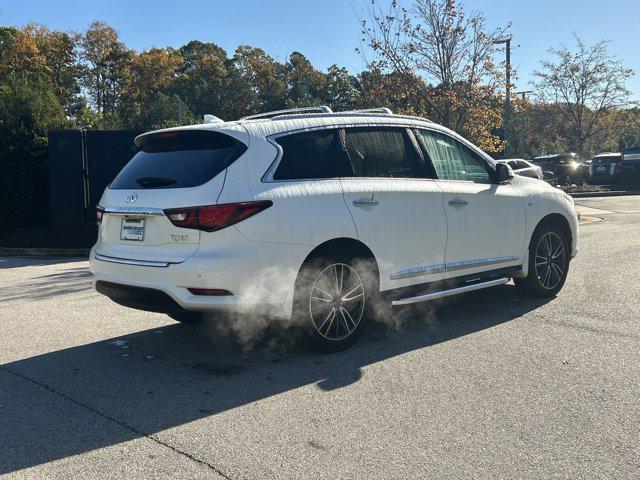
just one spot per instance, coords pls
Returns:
(347, 298)
(548, 241)
(327, 300)
(559, 248)
(346, 316)
(330, 317)
(558, 270)
(547, 275)
(339, 270)
(326, 293)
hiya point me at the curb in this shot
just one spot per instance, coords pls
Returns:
(44, 252)
(615, 193)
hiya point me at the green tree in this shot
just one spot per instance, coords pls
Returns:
(59, 50)
(584, 84)
(266, 77)
(106, 61)
(146, 98)
(451, 52)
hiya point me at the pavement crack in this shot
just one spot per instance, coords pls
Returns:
(119, 422)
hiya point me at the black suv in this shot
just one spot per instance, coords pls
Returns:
(566, 167)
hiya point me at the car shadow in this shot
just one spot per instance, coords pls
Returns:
(43, 287)
(19, 262)
(147, 382)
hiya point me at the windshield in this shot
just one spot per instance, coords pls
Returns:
(178, 160)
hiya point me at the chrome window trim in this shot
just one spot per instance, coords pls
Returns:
(451, 267)
(132, 210)
(126, 261)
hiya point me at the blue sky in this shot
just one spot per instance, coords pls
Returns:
(327, 32)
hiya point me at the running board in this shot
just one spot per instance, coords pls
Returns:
(454, 291)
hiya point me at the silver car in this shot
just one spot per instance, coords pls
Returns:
(524, 168)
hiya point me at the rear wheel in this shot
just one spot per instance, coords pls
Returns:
(548, 262)
(333, 300)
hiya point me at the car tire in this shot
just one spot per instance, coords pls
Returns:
(334, 298)
(189, 318)
(549, 257)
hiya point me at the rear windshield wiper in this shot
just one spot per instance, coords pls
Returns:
(152, 182)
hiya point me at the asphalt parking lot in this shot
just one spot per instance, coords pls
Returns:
(490, 385)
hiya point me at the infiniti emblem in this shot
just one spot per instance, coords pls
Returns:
(131, 198)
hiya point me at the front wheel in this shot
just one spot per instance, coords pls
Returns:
(548, 263)
(333, 301)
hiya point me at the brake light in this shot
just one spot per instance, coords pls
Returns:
(616, 167)
(99, 213)
(210, 218)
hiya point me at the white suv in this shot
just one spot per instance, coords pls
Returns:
(321, 218)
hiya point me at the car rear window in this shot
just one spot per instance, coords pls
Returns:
(312, 155)
(178, 160)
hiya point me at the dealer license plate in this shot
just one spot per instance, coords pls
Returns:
(132, 229)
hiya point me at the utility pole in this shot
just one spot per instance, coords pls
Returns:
(507, 102)
(522, 94)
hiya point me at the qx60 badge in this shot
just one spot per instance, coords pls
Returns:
(131, 198)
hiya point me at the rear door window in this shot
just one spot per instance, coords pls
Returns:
(178, 159)
(312, 155)
(383, 152)
(452, 160)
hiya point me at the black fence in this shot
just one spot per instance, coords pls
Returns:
(81, 165)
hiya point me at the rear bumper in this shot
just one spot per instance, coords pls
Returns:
(257, 285)
(140, 298)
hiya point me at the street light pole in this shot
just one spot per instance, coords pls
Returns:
(507, 103)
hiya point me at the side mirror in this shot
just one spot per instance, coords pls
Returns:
(504, 173)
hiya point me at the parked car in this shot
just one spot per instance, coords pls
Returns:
(524, 168)
(324, 219)
(630, 166)
(566, 167)
(605, 168)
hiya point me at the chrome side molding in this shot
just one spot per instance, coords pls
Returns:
(127, 261)
(447, 293)
(418, 271)
(450, 267)
(479, 262)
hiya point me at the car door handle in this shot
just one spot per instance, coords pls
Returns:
(365, 202)
(456, 202)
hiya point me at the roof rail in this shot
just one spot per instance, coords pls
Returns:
(321, 109)
(385, 110)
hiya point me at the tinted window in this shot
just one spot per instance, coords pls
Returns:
(383, 152)
(452, 160)
(178, 160)
(317, 154)
(522, 164)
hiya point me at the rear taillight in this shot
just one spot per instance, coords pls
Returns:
(616, 168)
(215, 217)
(99, 213)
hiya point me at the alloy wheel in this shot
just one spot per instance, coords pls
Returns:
(550, 260)
(337, 301)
